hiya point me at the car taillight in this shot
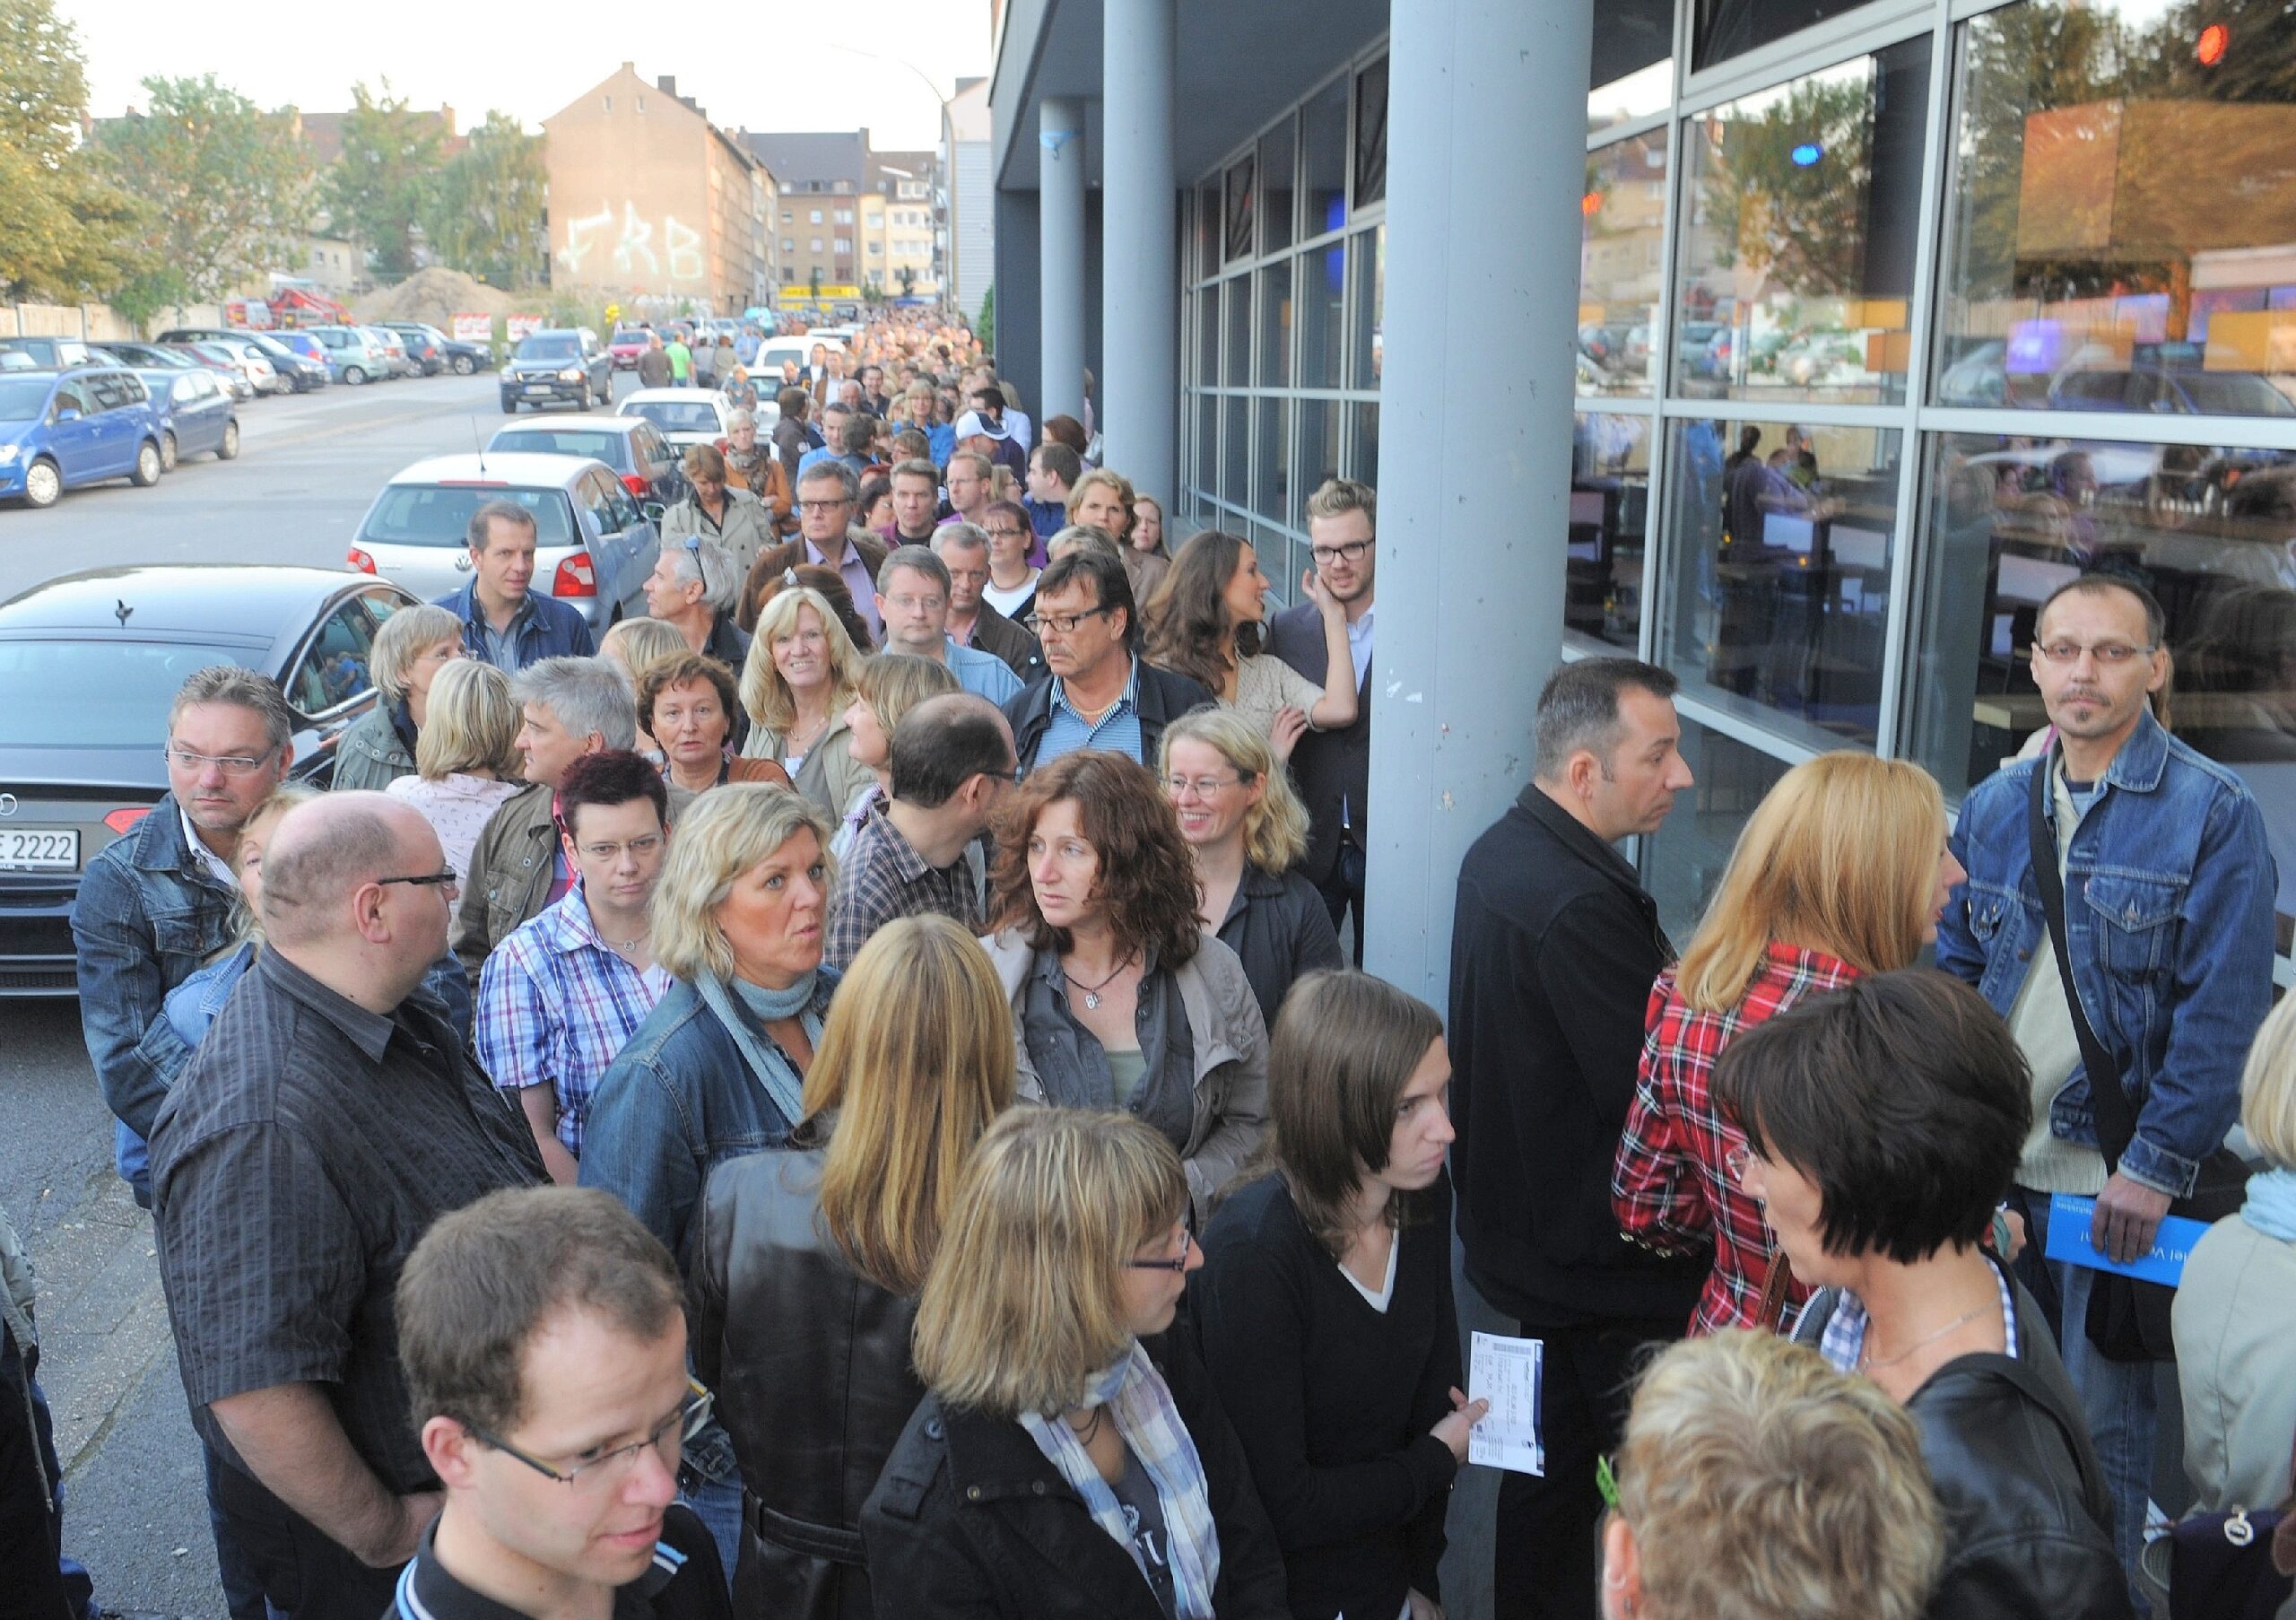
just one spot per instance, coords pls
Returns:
(120, 820)
(361, 561)
(635, 483)
(574, 577)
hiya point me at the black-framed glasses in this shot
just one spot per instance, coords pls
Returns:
(1351, 550)
(1061, 625)
(683, 1424)
(1187, 1245)
(819, 506)
(426, 880)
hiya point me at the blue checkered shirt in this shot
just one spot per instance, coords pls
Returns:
(1119, 731)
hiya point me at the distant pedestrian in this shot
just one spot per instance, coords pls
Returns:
(654, 365)
(705, 362)
(680, 362)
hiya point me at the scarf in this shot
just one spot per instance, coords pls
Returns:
(1141, 1405)
(773, 1071)
(2271, 1207)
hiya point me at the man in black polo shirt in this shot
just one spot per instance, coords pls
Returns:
(544, 1334)
(329, 1116)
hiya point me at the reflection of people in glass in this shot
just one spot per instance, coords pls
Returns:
(2068, 507)
(2241, 675)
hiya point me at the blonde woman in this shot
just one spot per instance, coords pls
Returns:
(1071, 1458)
(1749, 1472)
(808, 1259)
(1843, 870)
(1103, 500)
(885, 687)
(414, 645)
(466, 758)
(635, 646)
(797, 686)
(1248, 830)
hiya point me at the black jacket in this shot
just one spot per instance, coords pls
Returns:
(992, 632)
(1553, 949)
(969, 1519)
(2025, 1499)
(1164, 697)
(1280, 929)
(810, 1362)
(1326, 766)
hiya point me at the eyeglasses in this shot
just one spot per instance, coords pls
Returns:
(819, 506)
(1351, 550)
(1059, 625)
(683, 1424)
(640, 847)
(1188, 1242)
(1005, 533)
(1735, 1161)
(2108, 653)
(427, 880)
(1205, 786)
(229, 764)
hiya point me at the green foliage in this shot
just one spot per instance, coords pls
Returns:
(64, 232)
(43, 83)
(485, 213)
(381, 188)
(984, 326)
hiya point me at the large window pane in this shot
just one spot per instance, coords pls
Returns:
(1797, 259)
(1323, 142)
(1241, 205)
(1371, 135)
(2123, 229)
(1275, 326)
(1623, 217)
(2207, 531)
(1239, 303)
(1235, 478)
(1207, 336)
(1781, 571)
(1728, 28)
(1207, 449)
(1364, 455)
(1632, 71)
(1323, 291)
(1207, 230)
(1272, 491)
(1318, 459)
(1682, 862)
(1610, 497)
(1370, 307)
(1276, 167)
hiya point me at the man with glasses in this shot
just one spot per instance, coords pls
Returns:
(2168, 891)
(1334, 768)
(1096, 692)
(543, 1333)
(913, 604)
(973, 621)
(828, 491)
(326, 1120)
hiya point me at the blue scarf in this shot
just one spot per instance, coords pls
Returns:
(2271, 1207)
(782, 1082)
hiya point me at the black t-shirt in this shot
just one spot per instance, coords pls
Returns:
(1152, 1538)
(685, 1581)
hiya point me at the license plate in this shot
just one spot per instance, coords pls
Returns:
(40, 849)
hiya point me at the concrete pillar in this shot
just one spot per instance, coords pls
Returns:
(1060, 248)
(1474, 483)
(1139, 397)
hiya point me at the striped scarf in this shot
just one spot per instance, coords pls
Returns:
(1136, 1397)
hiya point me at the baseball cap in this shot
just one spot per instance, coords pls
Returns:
(973, 421)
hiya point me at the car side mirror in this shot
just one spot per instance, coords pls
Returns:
(653, 511)
(65, 412)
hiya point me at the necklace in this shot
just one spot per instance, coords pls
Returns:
(800, 740)
(1085, 1435)
(1868, 1361)
(1093, 991)
(624, 946)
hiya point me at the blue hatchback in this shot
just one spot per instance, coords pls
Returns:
(59, 430)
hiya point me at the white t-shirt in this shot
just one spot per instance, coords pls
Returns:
(1004, 601)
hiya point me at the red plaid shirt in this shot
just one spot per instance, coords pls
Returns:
(1671, 1186)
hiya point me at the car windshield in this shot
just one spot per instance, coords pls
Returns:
(22, 399)
(2227, 393)
(439, 514)
(548, 348)
(675, 415)
(96, 693)
(608, 447)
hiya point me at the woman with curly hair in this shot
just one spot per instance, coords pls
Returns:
(1120, 1000)
(1204, 623)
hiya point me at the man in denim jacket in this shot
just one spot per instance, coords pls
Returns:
(2169, 891)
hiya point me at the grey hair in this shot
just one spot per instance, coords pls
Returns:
(586, 695)
(965, 537)
(1089, 535)
(1578, 709)
(402, 639)
(237, 684)
(308, 873)
(728, 830)
(711, 566)
(916, 559)
(820, 472)
(741, 416)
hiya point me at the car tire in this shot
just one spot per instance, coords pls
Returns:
(149, 465)
(509, 407)
(43, 484)
(354, 375)
(582, 400)
(465, 365)
(607, 398)
(229, 450)
(167, 456)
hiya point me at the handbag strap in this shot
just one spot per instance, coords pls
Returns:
(2116, 1120)
(1777, 1286)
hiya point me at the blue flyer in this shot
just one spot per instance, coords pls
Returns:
(2068, 1240)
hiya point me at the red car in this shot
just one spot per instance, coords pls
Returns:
(627, 343)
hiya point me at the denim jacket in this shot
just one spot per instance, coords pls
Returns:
(2169, 891)
(549, 628)
(147, 915)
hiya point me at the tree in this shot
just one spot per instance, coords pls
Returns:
(814, 283)
(908, 281)
(381, 188)
(63, 232)
(227, 184)
(485, 214)
(985, 329)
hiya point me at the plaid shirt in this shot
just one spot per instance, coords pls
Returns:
(555, 1005)
(881, 877)
(1671, 1187)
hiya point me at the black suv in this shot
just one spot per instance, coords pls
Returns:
(558, 362)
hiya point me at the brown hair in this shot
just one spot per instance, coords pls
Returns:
(1187, 622)
(827, 582)
(688, 670)
(1147, 877)
(704, 461)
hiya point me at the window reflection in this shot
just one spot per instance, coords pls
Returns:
(1781, 535)
(1319, 446)
(1275, 169)
(1682, 862)
(1276, 324)
(1273, 498)
(2123, 231)
(1323, 142)
(1370, 307)
(1371, 135)
(1727, 28)
(1797, 256)
(2212, 533)
(1631, 72)
(1622, 219)
(1323, 292)
(1240, 208)
(1610, 497)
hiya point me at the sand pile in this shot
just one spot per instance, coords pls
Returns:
(434, 295)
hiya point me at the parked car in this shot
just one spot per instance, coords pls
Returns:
(254, 364)
(422, 345)
(197, 413)
(228, 371)
(686, 417)
(61, 430)
(303, 344)
(594, 544)
(633, 449)
(295, 369)
(627, 343)
(353, 355)
(465, 359)
(559, 362)
(89, 663)
(402, 363)
(2164, 391)
(56, 352)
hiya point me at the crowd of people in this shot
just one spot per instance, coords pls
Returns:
(851, 1096)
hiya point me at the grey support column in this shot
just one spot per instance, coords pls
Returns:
(1474, 476)
(1061, 254)
(1139, 397)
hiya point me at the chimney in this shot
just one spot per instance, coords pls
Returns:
(667, 84)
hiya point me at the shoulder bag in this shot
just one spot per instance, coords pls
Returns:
(2230, 1566)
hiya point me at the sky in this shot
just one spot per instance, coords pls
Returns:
(772, 64)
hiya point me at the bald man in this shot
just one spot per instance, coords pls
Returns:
(329, 1116)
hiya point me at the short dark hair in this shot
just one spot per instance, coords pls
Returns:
(1112, 586)
(943, 744)
(1579, 708)
(828, 470)
(1060, 461)
(1065, 429)
(1902, 1096)
(482, 520)
(485, 1278)
(611, 776)
(2156, 620)
(914, 466)
(791, 402)
(989, 392)
(860, 429)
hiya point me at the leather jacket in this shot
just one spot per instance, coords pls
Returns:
(810, 1363)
